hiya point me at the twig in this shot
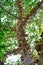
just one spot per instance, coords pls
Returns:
(8, 12)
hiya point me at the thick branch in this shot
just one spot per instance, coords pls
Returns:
(8, 12)
(21, 31)
(32, 12)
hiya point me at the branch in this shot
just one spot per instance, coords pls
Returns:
(19, 5)
(11, 28)
(32, 12)
(8, 12)
(15, 36)
(10, 36)
(21, 31)
(15, 51)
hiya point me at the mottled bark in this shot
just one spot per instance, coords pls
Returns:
(21, 31)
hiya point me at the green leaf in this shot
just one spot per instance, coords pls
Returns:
(5, 29)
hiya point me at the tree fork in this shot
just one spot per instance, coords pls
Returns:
(20, 29)
(33, 12)
(20, 32)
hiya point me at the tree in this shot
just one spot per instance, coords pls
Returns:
(16, 18)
